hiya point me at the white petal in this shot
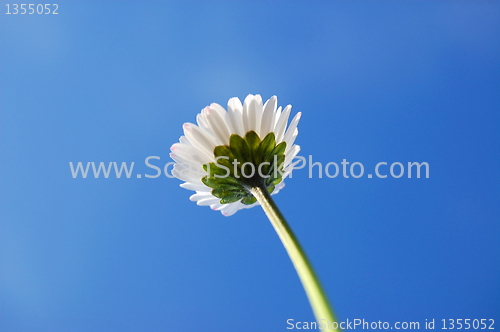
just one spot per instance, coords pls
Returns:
(281, 125)
(235, 115)
(184, 175)
(291, 166)
(196, 172)
(292, 153)
(195, 187)
(256, 109)
(224, 116)
(268, 117)
(207, 201)
(204, 199)
(199, 138)
(277, 115)
(218, 108)
(216, 121)
(230, 209)
(290, 140)
(183, 162)
(217, 206)
(291, 130)
(248, 116)
(278, 187)
(252, 113)
(201, 120)
(183, 140)
(200, 195)
(189, 152)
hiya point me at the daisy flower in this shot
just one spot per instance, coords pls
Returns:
(237, 159)
(219, 157)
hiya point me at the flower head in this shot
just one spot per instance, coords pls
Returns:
(229, 152)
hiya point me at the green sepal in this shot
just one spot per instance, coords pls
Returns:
(270, 189)
(212, 169)
(214, 182)
(225, 176)
(253, 142)
(230, 199)
(279, 149)
(224, 192)
(240, 149)
(279, 162)
(266, 147)
(249, 200)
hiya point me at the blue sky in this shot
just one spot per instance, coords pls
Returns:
(375, 82)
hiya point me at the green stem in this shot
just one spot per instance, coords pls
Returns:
(312, 286)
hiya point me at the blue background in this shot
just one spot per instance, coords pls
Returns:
(375, 81)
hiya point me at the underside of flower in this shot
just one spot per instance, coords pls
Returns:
(227, 153)
(244, 164)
